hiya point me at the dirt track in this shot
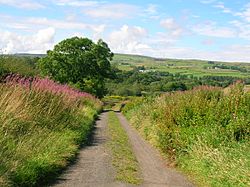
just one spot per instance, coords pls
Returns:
(94, 169)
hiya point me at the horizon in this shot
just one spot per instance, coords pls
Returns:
(189, 30)
(145, 56)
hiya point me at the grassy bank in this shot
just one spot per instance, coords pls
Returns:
(123, 159)
(205, 132)
(42, 125)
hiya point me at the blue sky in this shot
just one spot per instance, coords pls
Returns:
(197, 29)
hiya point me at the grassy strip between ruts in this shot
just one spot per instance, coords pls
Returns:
(123, 159)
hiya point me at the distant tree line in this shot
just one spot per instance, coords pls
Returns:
(135, 83)
(223, 66)
(23, 65)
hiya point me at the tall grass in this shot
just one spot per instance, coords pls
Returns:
(205, 132)
(42, 125)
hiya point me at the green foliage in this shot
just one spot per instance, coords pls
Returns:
(79, 62)
(204, 131)
(25, 66)
(3, 71)
(137, 83)
(232, 67)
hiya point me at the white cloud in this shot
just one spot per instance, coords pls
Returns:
(31, 24)
(224, 9)
(112, 11)
(208, 42)
(207, 1)
(128, 40)
(45, 36)
(76, 3)
(136, 40)
(243, 29)
(71, 17)
(96, 29)
(241, 24)
(172, 27)
(245, 14)
(59, 24)
(105, 9)
(41, 41)
(211, 29)
(235, 53)
(24, 4)
(151, 9)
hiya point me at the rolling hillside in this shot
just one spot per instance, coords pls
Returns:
(187, 67)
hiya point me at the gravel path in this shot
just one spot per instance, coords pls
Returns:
(154, 170)
(93, 167)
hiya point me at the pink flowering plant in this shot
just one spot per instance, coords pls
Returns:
(47, 85)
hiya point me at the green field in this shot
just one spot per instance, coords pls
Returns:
(187, 67)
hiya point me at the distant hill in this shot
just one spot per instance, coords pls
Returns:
(187, 67)
(29, 55)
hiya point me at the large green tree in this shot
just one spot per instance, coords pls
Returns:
(79, 62)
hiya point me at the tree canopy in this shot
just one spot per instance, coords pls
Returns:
(79, 62)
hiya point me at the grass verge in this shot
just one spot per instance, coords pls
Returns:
(123, 159)
(204, 132)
